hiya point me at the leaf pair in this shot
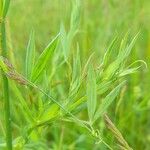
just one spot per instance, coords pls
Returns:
(33, 71)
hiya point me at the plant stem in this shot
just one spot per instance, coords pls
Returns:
(6, 91)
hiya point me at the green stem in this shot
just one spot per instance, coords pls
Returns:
(6, 91)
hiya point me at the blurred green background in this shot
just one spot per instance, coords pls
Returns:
(100, 21)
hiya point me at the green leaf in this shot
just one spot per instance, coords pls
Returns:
(30, 55)
(1, 9)
(75, 16)
(91, 93)
(76, 74)
(64, 41)
(67, 38)
(111, 70)
(104, 87)
(25, 109)
(43, 59)
(84, 72)
(123, 43)
(77, 103)
(49, 113)
(125, 53)
(108, 52)
(5, 7)
(106, 102)
(129, 70)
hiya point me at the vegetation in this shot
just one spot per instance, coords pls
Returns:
(88, 88)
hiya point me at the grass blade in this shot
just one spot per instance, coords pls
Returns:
(108, 100)
(1, 9)
(108, 52)
(5, 7)
(76, 74)
(43, 59)
(30, 55)
(91, 93)
(125, 53)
